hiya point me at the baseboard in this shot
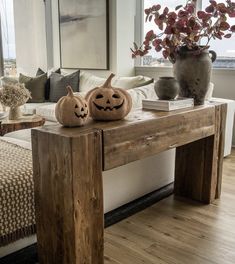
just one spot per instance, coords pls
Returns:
(137, 205)
(28, 255)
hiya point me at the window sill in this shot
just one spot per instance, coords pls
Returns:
(162, 67)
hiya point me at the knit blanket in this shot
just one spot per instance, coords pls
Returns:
(17, 214)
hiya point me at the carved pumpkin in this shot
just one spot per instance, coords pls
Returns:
(108, 103)
(71, 110)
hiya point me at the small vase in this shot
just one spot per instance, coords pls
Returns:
(14, 113)
(167, 88)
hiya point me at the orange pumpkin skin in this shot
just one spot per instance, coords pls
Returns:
(72, 110)
(108, 103)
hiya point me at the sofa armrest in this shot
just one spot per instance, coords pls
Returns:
(229, 123)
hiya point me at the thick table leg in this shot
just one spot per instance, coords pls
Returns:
(68, 197)
(198, 170)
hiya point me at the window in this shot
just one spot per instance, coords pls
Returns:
(8, 36)
(225, 49)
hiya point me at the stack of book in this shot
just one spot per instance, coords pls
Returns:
(167, 105)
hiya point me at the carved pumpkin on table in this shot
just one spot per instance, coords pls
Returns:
(108, 103)
(71, 110)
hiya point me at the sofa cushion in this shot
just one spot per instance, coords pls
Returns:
(209, 92)
(89, 81)
(47, 86)
(131, 82)
(47, 111)
(59, 82)
(140, 93)
(36, 85)
(30, 108)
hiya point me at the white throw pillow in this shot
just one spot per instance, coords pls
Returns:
(209, 92)
(139, 93)
(89, 81)
(128, 82)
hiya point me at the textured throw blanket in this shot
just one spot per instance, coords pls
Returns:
(17, 215)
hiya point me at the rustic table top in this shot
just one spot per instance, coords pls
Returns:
(132, 138)
(137, 116)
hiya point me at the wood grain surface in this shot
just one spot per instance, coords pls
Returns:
(7, 126)
(198, 166)
(151, 136)
(68, 197)
(143, 133)
(178, 231)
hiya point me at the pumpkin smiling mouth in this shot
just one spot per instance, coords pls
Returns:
(80, 116)
(108, 107)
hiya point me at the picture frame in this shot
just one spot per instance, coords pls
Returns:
(84, 34)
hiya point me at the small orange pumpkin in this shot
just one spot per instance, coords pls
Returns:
(108, 103)
(71, 110)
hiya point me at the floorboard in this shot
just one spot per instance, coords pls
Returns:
(175, 232)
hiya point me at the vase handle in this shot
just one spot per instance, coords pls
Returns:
(213, 55)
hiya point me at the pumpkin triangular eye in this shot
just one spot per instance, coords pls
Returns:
(76, 106)
(116, 96)
(98, 96)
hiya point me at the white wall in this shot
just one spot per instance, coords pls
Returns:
(31, 39)
(30, 35)
(121, 33)
(125, 34)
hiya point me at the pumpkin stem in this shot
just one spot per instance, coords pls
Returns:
(70, 91)
(107, 83)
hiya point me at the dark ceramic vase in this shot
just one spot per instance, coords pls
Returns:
(166, 88)
(193, 71)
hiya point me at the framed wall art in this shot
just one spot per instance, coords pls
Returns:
(84, 34)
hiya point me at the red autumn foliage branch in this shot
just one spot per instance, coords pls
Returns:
(185, 27)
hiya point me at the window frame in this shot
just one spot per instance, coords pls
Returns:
(1, 50)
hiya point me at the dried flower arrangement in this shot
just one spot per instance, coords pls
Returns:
(14, 95)
(185, 28)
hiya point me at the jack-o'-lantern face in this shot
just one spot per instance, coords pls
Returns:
(81, 111)
(108, 100)
(108, 103)
(72, 110)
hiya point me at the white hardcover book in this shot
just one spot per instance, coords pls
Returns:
(168, 105)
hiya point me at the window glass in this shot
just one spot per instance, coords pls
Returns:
(8, 36)
(153, 57)
(225, 48)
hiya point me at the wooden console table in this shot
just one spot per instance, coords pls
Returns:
(68, 166)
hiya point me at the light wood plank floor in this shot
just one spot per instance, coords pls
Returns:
(175, 232)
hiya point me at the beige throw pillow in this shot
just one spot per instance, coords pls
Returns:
(89, 81)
